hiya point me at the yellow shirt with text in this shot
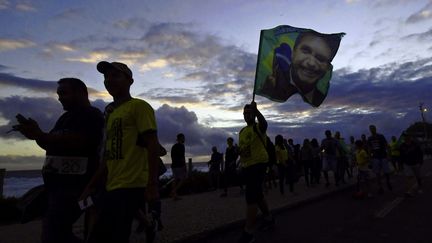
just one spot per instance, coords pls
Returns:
(127, 162)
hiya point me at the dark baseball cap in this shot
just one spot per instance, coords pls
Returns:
(104, 66)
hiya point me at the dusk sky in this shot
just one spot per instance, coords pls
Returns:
(194, 61)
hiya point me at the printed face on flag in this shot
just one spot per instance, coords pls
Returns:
(294, 60)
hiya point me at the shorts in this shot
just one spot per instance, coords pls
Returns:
(61, 214)
(179, 173)
(380, 165)
(412, 170)
(254, 178)
(117, 211)
(329, 163)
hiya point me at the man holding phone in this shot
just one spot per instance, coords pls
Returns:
(71, 157)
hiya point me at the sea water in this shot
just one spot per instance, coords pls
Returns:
(16, 183)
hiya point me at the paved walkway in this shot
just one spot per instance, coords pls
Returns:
(194, 216)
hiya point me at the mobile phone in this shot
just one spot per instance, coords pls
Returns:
(86, 203)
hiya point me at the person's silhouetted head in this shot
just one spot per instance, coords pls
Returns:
(117, 78)
(249, 114)
(372, 129)
(72, 93)
(230, 141)
(279, 140)
(328, 134)
(181, 138)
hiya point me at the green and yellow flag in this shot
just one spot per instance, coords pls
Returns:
(295, 60)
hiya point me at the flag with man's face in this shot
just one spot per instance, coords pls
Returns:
(295, 60)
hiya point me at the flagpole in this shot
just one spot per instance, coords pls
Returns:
(256, 69)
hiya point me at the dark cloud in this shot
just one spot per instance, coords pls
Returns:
(422, 15)
(171, 95)
(199, 138)
(44, 110)
(387, 96)
(34, 85)
(198, 57)
(423, 36)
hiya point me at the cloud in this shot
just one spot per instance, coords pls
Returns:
(199, 138)
(423, 36)
(159, 63)
(69, 14)
(13, 44)
(25, 7)
(40, 86)
(93, 57)
(387, 96)
(44, 110)
(31, 84)
(423, 14)
(218, 72)
(4, 4)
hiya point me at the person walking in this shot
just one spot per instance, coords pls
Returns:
(214, 165)
(72, 157)
(378, 147)
(131, 162)
(412, 157)
(253, 156)
(178, 165)
(281, 161)
(230, 169)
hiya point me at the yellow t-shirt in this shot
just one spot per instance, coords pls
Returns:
(394, 149)
(362, 159)
(126, 161)
(252, 150)
(281, 155)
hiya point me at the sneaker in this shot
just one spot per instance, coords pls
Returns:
(419, 191)
(246, 238)
(267, 224)
(408, 194)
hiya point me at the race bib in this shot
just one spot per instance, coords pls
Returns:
(66, 165)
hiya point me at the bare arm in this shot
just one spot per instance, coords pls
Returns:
(150, 141)
(261, 119)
